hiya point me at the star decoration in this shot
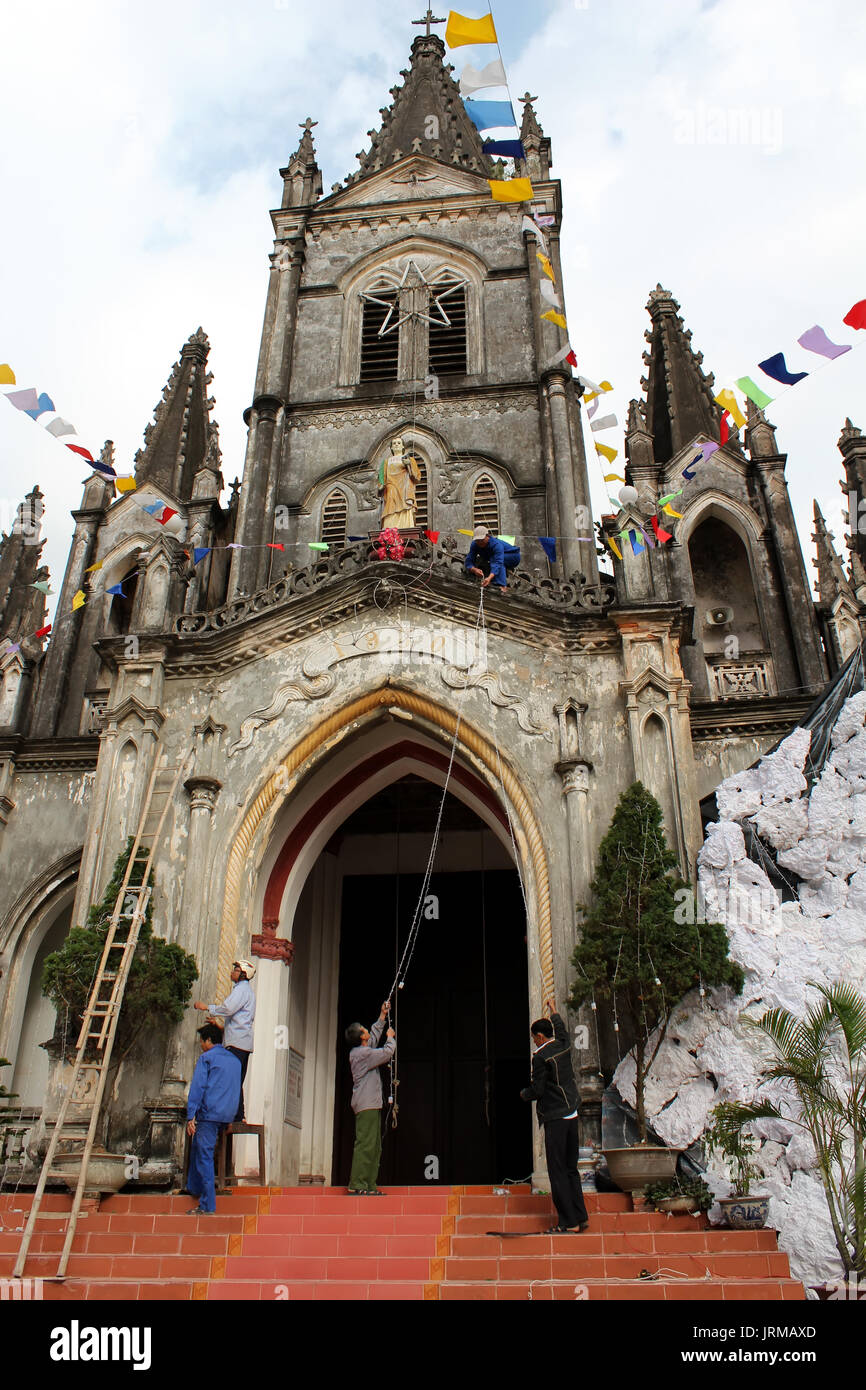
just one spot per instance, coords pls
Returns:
(434, 302)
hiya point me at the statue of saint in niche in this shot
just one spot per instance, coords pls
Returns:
(398, 475)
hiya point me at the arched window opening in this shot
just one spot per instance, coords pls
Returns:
(724, 590)
(447, 341)
(335, 515)
(120, 613)
(380, 350)
(485, 504)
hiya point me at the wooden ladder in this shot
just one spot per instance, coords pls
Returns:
(99, 1023)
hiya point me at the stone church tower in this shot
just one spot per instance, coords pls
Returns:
(318, 702)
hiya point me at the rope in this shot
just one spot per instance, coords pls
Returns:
(411, 940)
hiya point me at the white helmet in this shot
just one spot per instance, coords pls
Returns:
(247, 967)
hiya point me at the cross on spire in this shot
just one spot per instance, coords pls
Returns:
(307, 125)
(526, 97)
(428, 19)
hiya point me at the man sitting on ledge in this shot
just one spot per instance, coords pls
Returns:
(486, 558)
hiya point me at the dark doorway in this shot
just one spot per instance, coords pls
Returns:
(462, 1022)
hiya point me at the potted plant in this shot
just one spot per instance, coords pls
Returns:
(158, 988)
(638, 959)
(680, 1196)
(728, 1136)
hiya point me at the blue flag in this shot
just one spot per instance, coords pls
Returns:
(777, 368)
(548, 545)
(512, 149)
(43, 403)
(487, 115)
(152, 507)
(116, 589)
(199, 553)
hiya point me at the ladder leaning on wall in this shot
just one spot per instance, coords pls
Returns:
(99, 1023)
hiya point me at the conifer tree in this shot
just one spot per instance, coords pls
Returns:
(634, 956)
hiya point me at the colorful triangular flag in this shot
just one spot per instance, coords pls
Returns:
(78, 600)
(7, 376)
(553, 317)
(460, 30)
(548, 545)
(751, 389)
(166, 516)
(510, 190)
(43, 405)
(491, 75)
(777, 368)
(816, 340)
(728, 401)
(606, 451)
(60, 426)
(125, 484)
(116, 589)
(316, 545)
(856, 315)
(199, 552)
(42, 631)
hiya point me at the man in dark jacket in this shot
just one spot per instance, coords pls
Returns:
(554, 1091)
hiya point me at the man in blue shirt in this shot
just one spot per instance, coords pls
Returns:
(239, 1011)
(486, 558)
(212, 1101)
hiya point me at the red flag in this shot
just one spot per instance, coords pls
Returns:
(273, 545)
(79, 449)
(856, 315)
(166, 516)
(432, 536)
(42, 631)
(571, 359)
(661, 534)
(724, 432)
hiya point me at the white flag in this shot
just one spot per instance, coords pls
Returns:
(60, 426)
(606, 422)
(527, 225)
(491, 76)
(549, 293)
(561, 355)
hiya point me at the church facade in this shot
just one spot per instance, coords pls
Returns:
(319, 701)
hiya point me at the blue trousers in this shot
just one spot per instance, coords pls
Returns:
(199, 1178)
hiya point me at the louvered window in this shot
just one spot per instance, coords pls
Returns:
(422, 500)
(335, 518)
(447, 351)
(485, 504)
(379, 355)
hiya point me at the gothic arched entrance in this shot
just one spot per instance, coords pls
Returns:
(335, 859)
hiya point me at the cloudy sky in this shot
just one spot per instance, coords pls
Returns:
(710, 145)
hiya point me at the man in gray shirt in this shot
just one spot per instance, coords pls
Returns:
(365, 1059)
(239, 1011)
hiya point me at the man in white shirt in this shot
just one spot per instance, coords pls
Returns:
(239, 1011)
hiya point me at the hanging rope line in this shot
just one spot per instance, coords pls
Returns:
(412, 939)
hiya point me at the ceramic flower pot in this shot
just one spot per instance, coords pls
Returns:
(634, 1169)
(106, 1172)
(676, 1206)
(746, 1213)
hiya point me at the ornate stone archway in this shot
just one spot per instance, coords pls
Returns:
(496, 770)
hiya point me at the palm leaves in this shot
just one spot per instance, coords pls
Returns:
(820, 1061)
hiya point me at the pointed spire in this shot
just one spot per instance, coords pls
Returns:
(176, 444)
(679, 394)
(427, 117)
(302, 179)
(22, 608)
(832, 580)
(760, 434)
(639, 446)
(534, 140)
(852, 446)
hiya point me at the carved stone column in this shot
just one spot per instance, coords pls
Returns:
(575, 788)
(202, 793)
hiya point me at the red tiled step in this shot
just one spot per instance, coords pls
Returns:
(366, 1245)
(315, 1268)
(583, 1267)
(330, 1291)
(347, 1225)
(594, 1242)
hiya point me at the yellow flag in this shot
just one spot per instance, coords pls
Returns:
(460, 30)
(556, 318)
(7, 376)
(547, 267)
(728, 401)
(614, 478)
(466, 533)
(78, 601)
(125, 484)
(510, 190)
(97, 566)
(605, 449)
(670, 511)
(614, 547)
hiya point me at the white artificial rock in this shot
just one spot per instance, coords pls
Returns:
(711, 1054)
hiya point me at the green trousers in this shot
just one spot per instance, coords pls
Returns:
(367, 1152)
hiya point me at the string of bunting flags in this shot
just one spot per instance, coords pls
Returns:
(35, 404)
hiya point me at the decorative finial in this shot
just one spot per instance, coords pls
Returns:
(428, 19)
